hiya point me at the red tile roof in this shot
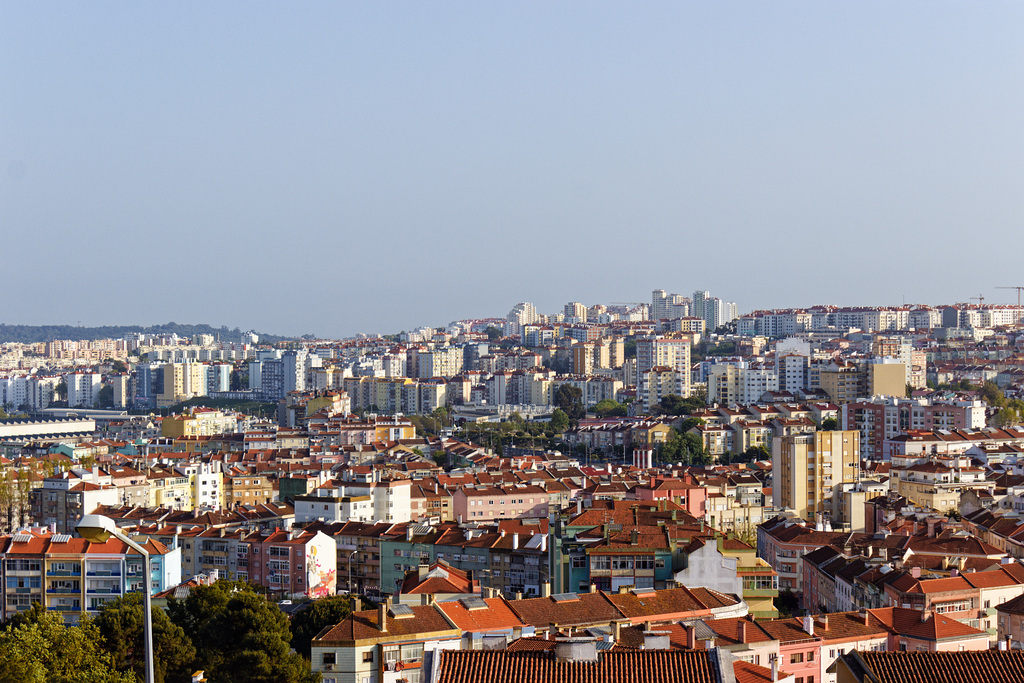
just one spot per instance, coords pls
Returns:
(497, 616)
(651, 666)
(979, 666)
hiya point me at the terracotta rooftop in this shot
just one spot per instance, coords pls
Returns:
(478, 614)
(978, 666)
(652, 666)
(583, 608)
(363, 625)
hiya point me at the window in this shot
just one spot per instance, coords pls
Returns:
(412, 652)
(796, 658)
(329, 658)
(368, 656)
(810, 657)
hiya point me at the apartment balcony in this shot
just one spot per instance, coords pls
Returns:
(65, 608)
(104, 572)
(63, 573)
(103, 591)
(59, 591)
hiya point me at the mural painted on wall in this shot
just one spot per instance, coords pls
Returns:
(321, 577)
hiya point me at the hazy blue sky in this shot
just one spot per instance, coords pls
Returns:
(342, 167)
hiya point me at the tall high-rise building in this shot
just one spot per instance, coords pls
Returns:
(83, 388)
(697, 304)
(806, 467)
(672, 352)
(666, 306)
(575, 312)
(523, 313)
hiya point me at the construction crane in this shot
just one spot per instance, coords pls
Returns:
(980, 299)
(1018, 293)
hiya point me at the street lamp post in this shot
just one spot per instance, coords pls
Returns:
(99, 529)
(350, 557)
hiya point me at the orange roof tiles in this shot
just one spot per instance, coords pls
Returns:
(984, 666)
(497, 616)
(651, 666)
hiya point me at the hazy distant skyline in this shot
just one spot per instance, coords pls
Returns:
(334, 168)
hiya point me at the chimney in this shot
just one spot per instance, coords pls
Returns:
(743, 630)
(809, 624)
(382, 617)
(593, 588)
(633, 537)
(954, 572)
(775, 669)
(915, 572)
(656, 640)
(515, 541)
(421, 571)
(357, 605)
(545, 589)
(691, 636)
(865, 617)
(926, 614)
(616, 630)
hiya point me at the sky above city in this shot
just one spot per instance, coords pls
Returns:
(334, 168)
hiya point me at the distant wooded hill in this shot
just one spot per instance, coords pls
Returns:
(29, 334)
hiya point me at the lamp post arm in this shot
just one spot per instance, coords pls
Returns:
(147, 601)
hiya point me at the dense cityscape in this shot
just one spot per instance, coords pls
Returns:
(781, 495)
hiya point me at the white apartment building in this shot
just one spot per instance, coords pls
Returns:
(83, 388)
(338, 501)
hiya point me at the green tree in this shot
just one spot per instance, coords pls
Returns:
(310, 621)
(105, 398)
(559, 421)
(45, 649)
(493, 333)
(203, 603)
(30, 616)
(609, 408)
(753, 453)
(689, 423)
(991, 394)
(829, 424)
(677, 405)
(121, 626)
(239, 636)
(249, 642)
(570, 400)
